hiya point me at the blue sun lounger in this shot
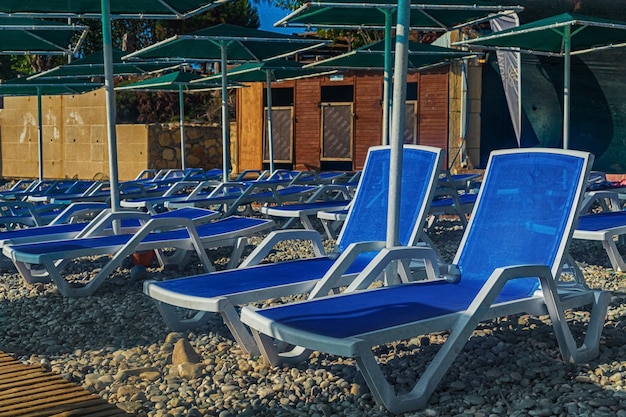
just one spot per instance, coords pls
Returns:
(44, 261)
(221, 292)
(510, 254)
(131, 221)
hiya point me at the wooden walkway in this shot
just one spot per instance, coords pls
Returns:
(31, 391)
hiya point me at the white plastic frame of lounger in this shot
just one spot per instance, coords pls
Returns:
(327, 197)
(53, 262)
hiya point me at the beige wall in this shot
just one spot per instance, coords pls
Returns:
(75, 140)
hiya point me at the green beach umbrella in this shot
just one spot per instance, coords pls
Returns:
(25, 87)
(181, 83)
(371, 57)
(227, 43)
(92, 65)
(437, 15)
(268, 72)
(19, 36)
(564, 35)
(104, 10)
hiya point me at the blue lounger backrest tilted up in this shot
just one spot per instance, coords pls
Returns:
(508, 262)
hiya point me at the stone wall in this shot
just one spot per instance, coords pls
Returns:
(203, 146)
(75, 140)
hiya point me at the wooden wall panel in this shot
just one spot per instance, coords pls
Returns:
(369, 114)
(433, 110)
(307, 123)
(249, 127)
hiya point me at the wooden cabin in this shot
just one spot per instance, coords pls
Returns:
(330, 122)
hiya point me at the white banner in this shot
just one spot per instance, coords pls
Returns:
(510, 70)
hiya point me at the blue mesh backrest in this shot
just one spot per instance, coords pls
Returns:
(367, 219)
(521, 217)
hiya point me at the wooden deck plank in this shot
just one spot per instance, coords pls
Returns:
(31, 391)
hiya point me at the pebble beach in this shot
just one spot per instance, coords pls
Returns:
(116, 345)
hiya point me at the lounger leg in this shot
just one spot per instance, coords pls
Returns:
(617, 262)
(175, 323)
(239, 331)
(272, 355)
(29, 276)
(306, 222)
(384, 393)
(567, 345)
(331, 232)
(235, 256)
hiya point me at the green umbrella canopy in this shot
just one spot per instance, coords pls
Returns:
(92, 65)
(25, 87)
(36, 36)
(123, 9)
(241, 44)
(562, 35)
(279, 70)
(173, 81)
(372, 57)
(547, 36)
(439, 15)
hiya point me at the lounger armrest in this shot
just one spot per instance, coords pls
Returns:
(334, 276)
(330, 191)
(77, 209)
(204, 185)
(106, 217)
(386, 256)
(135, 187)
(10, 206)
(273, 238)
(601, 197)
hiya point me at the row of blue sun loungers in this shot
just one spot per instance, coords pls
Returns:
(39, 202)
(508, 236)
(509, 261)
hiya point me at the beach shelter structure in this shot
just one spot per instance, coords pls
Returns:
(25, 87)
(105, 10)
(226, 44)
(20, 36)
(179, 82)
(563, 35)
(92, 65)
(371, 57)
(434, 15)
(268, 72)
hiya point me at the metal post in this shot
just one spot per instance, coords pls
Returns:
(225, 123)
(270, 133)
(387, 77)
(566, 85)
(107, 51)
(181, 112)
(39, 134)
(396, 138)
